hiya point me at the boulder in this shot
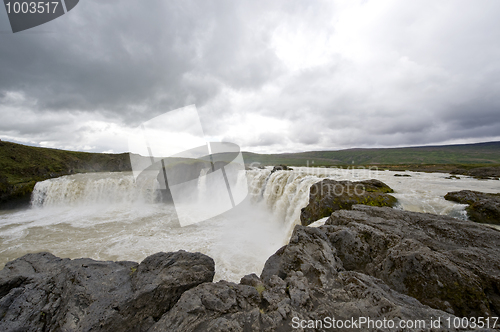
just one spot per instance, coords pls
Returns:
(329, 195)
(483, 208)
(403, 175)
(490, 172)
(449, 264)
(281, 168)
(41, 292)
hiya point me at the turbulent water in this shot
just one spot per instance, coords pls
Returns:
(107, 216)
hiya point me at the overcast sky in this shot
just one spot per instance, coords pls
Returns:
(271, 76)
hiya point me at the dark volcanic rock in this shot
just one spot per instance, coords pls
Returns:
(281, 168)
(304, 279)
(446, 263)
(328, 196)
(41, 292)
(483, 208)
(403, 175)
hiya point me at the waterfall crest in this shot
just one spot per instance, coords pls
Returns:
(94, 188)
(284, 193)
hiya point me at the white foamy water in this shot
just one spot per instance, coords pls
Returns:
(107, 216)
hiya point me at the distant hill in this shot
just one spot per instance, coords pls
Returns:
(462, 154)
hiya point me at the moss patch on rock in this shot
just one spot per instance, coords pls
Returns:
(328, 196)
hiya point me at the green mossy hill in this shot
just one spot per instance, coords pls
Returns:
(328, 196)
(430, 157)
(22, 166)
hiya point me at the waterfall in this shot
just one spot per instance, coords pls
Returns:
(95, 215)
(202, 183)
(109, 216)
(283, 193)
(94, 188)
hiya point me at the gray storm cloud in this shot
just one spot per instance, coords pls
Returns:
(270, 76)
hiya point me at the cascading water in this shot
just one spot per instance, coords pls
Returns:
(108, 216)
(202, 183)
(284, 193)
(94, 188)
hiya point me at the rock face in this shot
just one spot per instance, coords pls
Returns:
(372, 262)
(329, 195)
(41, 292)
(446, 263)
(280, 305)
(483, 208)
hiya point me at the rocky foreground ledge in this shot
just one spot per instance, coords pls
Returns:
(371, 262)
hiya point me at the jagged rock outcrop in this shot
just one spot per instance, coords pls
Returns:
(41, 292)
(281, 305)
(483, 208)
(304, 279)
(329, 195)
(446, 263)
